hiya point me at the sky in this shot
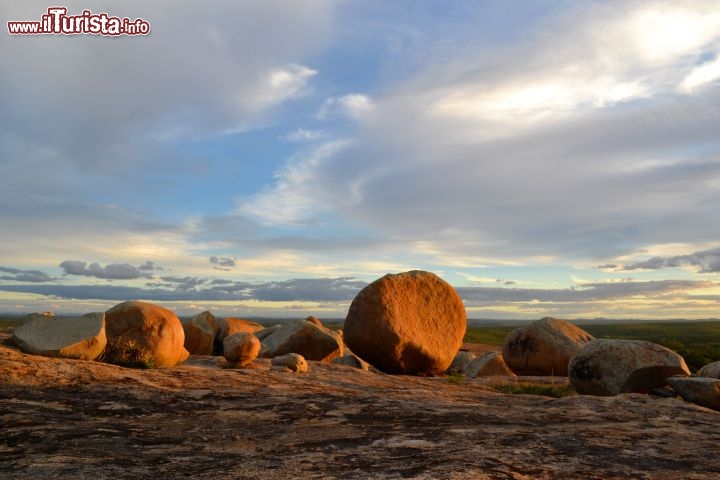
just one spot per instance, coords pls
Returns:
(270, 158)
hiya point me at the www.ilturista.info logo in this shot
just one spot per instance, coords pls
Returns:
(57, 22)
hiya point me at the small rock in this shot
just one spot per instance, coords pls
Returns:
(352, 360)
(711, 370)
(408, 323)
(610, 367)
(490, 364)
(77, 337)
(544, 347)
(460, 362)
(241, 348)
(291, 361)
(702, 391)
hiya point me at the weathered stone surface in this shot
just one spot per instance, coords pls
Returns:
(265, 332)
(460, 362)
(74, 419)
(489, 365)
(352, 360)
(151, 328)
(76, 337)
(544, 347)
(291, 361)
(407, 323)
(241, 348)
(303, 337)
(200, 332)
(702, 391)
(711, 370)
(314, 320)
(610, 367)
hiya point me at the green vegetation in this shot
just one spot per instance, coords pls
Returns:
(456, 378)
(9, 322)
(555, 391)
(697, 341)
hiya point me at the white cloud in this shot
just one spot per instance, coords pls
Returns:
(702, 76)
(303, 135)
(354, 105)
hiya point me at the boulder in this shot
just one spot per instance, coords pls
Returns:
(544, 347)
(702, 391)
(77, 337)
(290, 362)
(711, 370)
(265, 332)
(200, 332)
(610, 367)
(241, 348)
(352, 360)
(460, 362)
(407, 323)
(150, 332)
(314, 320)
(490, 364)
(303, 337)
(230, 325)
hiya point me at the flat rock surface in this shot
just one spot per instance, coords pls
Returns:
(79, 419)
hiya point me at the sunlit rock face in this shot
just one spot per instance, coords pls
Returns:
(407, 323)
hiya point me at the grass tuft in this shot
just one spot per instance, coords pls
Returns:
(127, 353)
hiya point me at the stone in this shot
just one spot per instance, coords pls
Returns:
(352, 360)
(701, 391)
(155, 334)
(407, 323)
(314, 320)
(460, 362)
(241, 348)
(70, 337)
(200, 332)
(228, 326)
(491, 364)
(306, 338)
(265, 332)
(291, 361)
(544, 348)
(711, 370)
(610, 367)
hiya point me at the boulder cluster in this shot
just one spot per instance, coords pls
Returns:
(410, 323)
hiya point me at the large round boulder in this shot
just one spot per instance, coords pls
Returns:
(406, 323)
(230, 325)
(69, 337)
(610, 367)
(148, 331)
(544, 347)
(241, 348)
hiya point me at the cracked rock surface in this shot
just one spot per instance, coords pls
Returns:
(80, 419)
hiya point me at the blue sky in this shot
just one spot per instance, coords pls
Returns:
(271, 158)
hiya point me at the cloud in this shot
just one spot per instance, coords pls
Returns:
(35, 276)
(112, 271)
(353, 105)
(707, 261)
(303, 135)
(702, 76)
(222, 262)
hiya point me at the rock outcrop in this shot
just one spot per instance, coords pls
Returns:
(200, 332)
(241, 348)
(711, 370)
(305, 338)
(291, 362)
(610, 367)
(544, 347)
(145, 329)
(490, 364)
(228, 326)
(407, 323)
(699, 390)
(77, 337)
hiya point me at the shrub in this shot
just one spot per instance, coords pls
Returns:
(127, 353)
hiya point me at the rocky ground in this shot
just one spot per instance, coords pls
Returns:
(79, 419)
